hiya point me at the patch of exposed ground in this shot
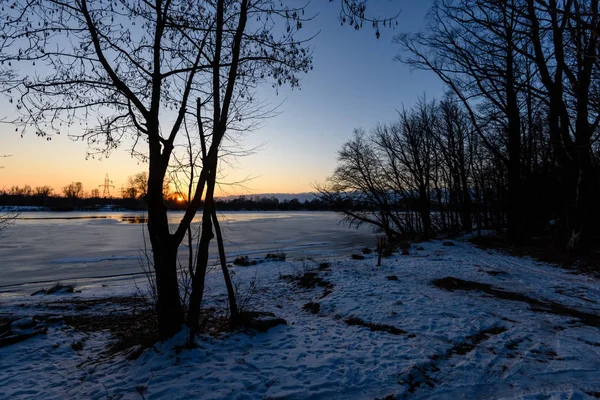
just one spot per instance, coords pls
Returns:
(354, 321)
(312, 307)
(423, 373)
(451, 284)
(135, 331)
(307, 280)
(127, 302)
(545, 249)
(310, 280)
(130, 321)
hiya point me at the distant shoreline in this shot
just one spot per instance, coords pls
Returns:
(34, 209)
(20, 203)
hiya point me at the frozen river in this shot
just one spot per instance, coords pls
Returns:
(47, 247)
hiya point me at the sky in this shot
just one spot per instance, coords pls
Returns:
(355, 83)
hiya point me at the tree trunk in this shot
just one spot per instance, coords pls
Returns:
(441, 208)
(425, 212)
(206, 236)
(514, 213)
(164, 249)
(513, 210)
(467, 221)
(233, 309)
(168, 305)
(581, 212)
(198, 280)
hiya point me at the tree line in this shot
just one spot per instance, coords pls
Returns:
(26, 196)
(136, 189)
(513, 145)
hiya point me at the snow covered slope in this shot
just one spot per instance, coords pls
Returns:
(497, 327)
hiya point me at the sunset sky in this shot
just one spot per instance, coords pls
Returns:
(355, 83)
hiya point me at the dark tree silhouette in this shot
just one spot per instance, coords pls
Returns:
(420, 165)
(135, 70)
(73, 190)
(110, 71)
(527, 73)
(472, 45)
(565, 50)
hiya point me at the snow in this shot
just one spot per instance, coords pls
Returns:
(458, 344)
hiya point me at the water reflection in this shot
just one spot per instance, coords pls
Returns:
(134, 219)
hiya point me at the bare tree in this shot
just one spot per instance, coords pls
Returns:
(137, 185)
(359, 188)
(418, 175)
(73, 190)
(383, 176)
(454, 137)
(473, 46)
(408, 146)
(138, 68)
(118, 69)
(44, 191)
(565, 51)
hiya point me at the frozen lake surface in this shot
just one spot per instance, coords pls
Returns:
(46, 247)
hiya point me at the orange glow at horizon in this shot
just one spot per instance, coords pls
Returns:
(60, 161)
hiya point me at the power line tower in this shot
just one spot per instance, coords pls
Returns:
(106, 187)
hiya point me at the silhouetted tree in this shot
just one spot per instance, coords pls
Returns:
(418, 175)
(137, 186)
(565, 50)
(73, 190)
(360, 180)
(409, 151)
(454, 137)
(16, 190)
(44, 191)
(127, 64)
(128, 69)
(473, 46)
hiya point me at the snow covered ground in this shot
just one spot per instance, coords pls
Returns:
(532, 334)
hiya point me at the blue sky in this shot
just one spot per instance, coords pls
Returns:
(355, 83)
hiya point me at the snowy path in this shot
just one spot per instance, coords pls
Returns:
(458, 344)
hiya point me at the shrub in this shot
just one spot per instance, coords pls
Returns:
(324, 266)
(278, 256)
(244, 261)
(312, 307)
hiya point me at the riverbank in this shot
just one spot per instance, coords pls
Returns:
(447, 320)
